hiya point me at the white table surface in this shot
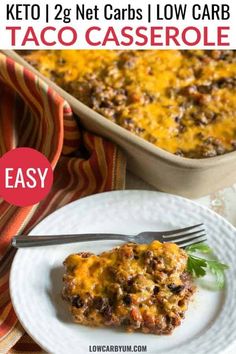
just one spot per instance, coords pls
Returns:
(223, 202)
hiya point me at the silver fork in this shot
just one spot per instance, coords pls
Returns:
(182, 237)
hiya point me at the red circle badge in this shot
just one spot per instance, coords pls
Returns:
(26, 176)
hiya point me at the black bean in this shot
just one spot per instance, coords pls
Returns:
(175, 289)
(127, 299)
(131, 280)
(156, 290)
(77, 302)
(168, 319)
(112, 300)
(226, 82)
(177, 119)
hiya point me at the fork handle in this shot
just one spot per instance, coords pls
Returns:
(35, 241)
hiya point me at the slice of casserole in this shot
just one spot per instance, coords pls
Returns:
(138, 287)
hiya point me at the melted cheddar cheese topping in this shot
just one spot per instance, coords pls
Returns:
(139, 287)
(181, 101)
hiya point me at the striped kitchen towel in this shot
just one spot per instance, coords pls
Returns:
(34, 115)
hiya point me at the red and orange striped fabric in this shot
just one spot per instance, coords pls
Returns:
(33, 115)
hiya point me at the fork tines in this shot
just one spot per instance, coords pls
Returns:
(182, 237)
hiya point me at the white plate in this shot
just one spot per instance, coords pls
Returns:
(36, 275)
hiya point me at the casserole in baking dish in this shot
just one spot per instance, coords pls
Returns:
(167, 171)
(181, 101)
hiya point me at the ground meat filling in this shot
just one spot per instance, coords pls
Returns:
(138, 287)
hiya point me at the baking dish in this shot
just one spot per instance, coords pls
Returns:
(167, 172)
